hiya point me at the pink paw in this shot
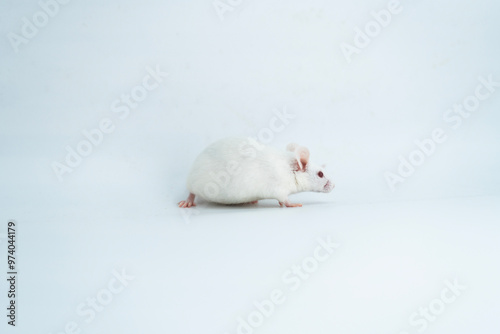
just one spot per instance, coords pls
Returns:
(189, 202)
(291, 205)
(186, 204)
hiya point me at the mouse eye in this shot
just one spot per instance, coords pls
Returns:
(320, 174)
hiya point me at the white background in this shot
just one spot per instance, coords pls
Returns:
(196, 271)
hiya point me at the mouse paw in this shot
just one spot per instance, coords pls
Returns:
(189, 202)
(290, 205)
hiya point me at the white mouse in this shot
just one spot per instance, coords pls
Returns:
(241, 170)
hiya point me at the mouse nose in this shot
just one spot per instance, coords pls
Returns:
(328, 187)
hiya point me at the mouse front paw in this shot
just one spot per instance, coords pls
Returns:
(290, 205)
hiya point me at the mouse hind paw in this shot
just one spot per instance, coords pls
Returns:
(189, 202)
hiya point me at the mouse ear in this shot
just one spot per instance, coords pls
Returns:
(292, 147)
(302, 155)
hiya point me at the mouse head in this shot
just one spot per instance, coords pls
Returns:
(310, 177)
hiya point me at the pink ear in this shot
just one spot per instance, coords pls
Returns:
(302, 154)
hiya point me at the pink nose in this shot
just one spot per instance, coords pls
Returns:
(329, 186)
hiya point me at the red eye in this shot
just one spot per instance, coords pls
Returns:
(320, 174)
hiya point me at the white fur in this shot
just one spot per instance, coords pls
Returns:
(241, 170)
